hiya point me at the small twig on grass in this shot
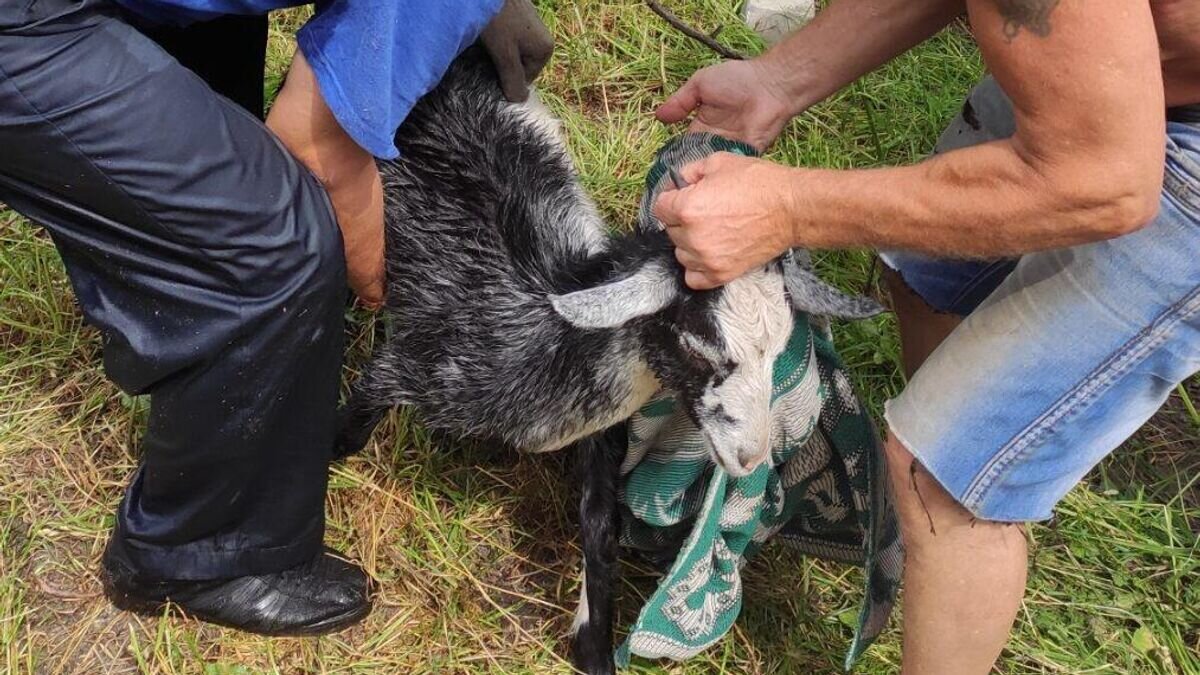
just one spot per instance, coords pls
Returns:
(670, 17)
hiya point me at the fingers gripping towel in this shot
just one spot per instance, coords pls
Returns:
(824, 490)
(808, 293)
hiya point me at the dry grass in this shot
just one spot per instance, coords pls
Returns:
(475, 550)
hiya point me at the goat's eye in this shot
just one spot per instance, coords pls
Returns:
(699, 349)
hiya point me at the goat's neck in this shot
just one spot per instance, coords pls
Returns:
(620, 353)
(611, 379)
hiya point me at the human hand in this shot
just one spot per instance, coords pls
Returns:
(736, 214)
(742, 100)
(519, 44)
(357, 200)
(306, 126)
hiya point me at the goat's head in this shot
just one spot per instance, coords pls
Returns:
(716, 349)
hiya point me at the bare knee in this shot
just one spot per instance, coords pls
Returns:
(917, 492)
(927, 512)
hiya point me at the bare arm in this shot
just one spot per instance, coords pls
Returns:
(309, 130)
(851, 38)
(1085, 163)
(519, 45)
(753, 100)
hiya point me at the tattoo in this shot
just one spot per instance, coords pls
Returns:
(1033, 15)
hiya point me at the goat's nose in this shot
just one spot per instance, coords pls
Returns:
(750, 456)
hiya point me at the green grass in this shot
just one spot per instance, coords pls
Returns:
(475, 551)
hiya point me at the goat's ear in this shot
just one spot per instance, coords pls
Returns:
(644, 292)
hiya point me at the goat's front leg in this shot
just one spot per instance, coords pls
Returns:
(356, 420)
(371, 397)
(598, 461)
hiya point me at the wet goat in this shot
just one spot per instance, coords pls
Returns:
(516, 318)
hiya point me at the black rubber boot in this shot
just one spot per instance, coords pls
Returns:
(324, 595)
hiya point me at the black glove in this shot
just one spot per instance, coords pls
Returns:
(519, 44)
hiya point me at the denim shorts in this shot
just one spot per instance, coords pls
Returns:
(1063, 354)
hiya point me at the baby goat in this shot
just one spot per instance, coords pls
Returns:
(515, 318)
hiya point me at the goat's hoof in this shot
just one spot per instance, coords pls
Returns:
(597, 668)
(342, 450)
(592, 657)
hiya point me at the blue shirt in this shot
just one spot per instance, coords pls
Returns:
(373, 59)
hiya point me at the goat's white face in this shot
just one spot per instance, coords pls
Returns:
(729, 396)
(716, 349)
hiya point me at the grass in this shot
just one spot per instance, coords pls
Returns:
(475, 550)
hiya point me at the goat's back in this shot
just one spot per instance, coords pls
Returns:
(485, 218)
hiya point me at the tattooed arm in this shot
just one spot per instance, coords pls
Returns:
(1086, 160)
(1085, 163)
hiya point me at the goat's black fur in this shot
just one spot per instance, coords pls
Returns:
(469, 282)
(598, 459)
(487, 228)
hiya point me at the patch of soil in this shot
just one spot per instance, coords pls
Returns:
(73, 625)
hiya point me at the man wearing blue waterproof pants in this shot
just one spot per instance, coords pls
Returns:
(213, 253)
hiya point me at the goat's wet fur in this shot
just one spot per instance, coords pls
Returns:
(516, 318)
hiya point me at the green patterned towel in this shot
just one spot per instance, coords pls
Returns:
(824, 491)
